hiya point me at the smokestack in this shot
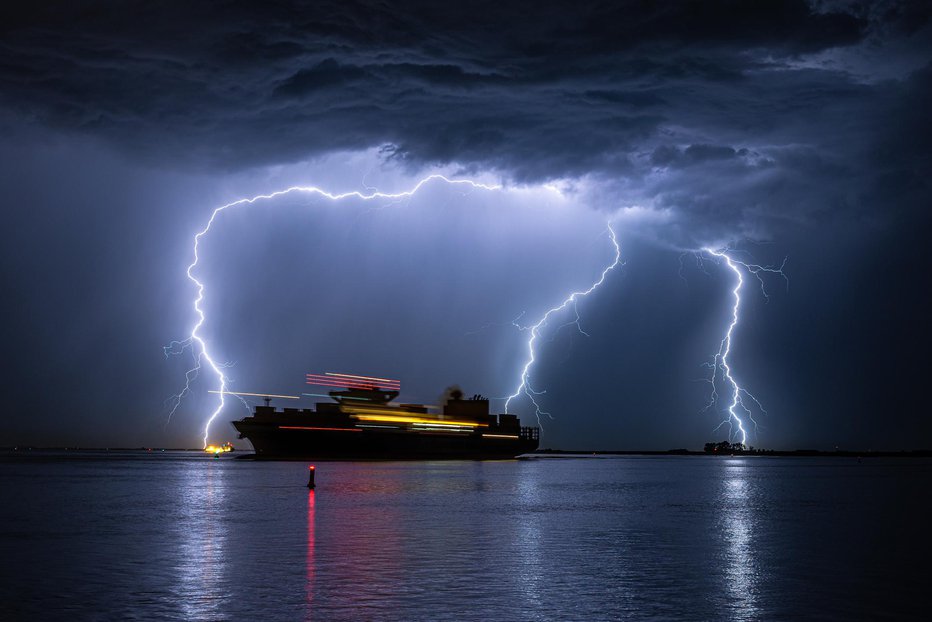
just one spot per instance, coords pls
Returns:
(452, 392)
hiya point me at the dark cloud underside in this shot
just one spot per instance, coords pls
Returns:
(622, 91)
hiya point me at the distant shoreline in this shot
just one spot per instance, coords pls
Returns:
(557, 453)
(796, 453)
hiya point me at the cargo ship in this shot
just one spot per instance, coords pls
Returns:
(362, 423)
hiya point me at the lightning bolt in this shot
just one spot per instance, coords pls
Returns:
(196, 343)
(524, 385)
(739, 395)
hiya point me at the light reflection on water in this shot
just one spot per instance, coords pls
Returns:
(529, 544)
(694, 538)
(202, 543)
(310, 563)
(740, 564)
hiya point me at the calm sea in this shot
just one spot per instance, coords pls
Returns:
(180, 536)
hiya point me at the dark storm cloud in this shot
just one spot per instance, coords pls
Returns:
(801, 123)
(536, 91)
(397, 76)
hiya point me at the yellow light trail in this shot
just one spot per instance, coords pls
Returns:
(301, 427)
(362, 416)
(421, 427)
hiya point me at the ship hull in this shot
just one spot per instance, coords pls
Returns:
(272, 442)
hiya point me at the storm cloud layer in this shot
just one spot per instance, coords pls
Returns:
(804, 125)
(737, 116)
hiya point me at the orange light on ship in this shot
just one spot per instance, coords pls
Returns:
(219, 449)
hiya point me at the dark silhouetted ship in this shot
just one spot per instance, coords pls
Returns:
(361, 423)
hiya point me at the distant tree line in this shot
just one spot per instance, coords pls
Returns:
(726, 447)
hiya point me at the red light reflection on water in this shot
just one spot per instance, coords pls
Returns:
(309, 562)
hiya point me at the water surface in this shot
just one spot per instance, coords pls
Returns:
(180, 536)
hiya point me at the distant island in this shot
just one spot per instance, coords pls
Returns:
(720, 449)
(726, 448)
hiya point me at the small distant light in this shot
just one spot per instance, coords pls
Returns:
(311, 467)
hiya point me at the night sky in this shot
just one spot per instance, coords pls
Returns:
(777, 129)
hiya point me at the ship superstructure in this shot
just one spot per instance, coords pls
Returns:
(362, 422)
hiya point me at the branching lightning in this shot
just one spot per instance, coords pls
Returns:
(742, 405)
(740, 396)
(524, 385)
(196, 342)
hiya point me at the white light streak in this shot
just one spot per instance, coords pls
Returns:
(525, 383)
(197, 343)
(720, 361)
(269, 395)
